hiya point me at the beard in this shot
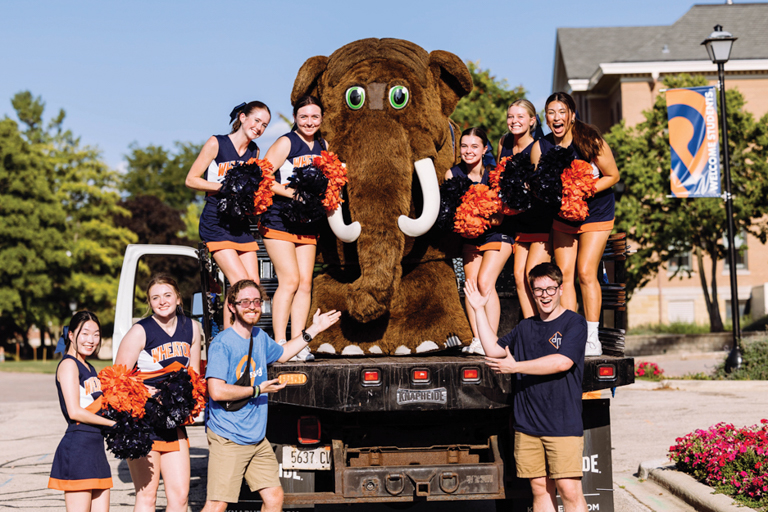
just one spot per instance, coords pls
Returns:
(247, 321)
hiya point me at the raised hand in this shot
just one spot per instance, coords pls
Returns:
(473, 295)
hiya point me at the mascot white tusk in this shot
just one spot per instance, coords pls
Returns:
(347, 233)
(425, 171)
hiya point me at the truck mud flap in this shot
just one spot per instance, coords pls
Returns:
(441, 474)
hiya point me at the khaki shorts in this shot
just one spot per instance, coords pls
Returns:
(555, 457)
(228, 462)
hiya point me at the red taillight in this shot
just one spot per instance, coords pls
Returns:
(309, 430)
(371, 377)
(606, 372)
(420, 375)
(470, 375)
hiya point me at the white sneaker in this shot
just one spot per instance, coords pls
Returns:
(476, 347)
(303, 355)
(594, 347)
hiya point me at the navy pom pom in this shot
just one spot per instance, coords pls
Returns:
(514, 190)
(451, 192)
(171, 405)
(237, 191)
(546, 184)
(309, 184)
(129, 437)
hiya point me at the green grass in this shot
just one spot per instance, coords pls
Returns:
(673, 328)
(44, 367)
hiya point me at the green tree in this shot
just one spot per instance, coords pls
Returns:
(156, 171)
(60, 244)
(663, 226)
(486, 106)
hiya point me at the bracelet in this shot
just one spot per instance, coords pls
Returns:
(256, 391)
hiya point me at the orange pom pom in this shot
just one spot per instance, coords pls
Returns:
(578, 184)
(123, 390)
(494, 175)
(336, 173)
(262, 199)
(199, 393)
(473, 215)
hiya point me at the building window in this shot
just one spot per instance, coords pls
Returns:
(740, 244)
(680, 261)
(729, 314)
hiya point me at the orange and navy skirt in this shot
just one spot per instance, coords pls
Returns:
(601, 216)
(80, 462)
(273, 224)
(218, 234)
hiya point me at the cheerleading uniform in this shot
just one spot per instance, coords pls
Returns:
(273, 223)
(534, 224)
(601, 205)
(216, 232)
(494, 236)
(163, 355)
(80, 462)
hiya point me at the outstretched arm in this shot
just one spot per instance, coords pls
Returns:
(319, 324)
(547, 365)
(478, 301)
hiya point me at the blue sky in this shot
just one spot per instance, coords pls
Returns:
(154, 72)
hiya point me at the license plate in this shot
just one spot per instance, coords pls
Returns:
(307, 458)
(422, 396)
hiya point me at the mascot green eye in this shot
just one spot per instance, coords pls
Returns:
(398, 96)
(355, 97)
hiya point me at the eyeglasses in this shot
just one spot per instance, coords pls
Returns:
(246, 303)
(550, 290)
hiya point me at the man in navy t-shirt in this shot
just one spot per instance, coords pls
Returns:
(546, 354)
(237, 446)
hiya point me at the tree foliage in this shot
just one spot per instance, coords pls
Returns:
(663, 226)
(486, 106)
(59, 242)
(156, 171)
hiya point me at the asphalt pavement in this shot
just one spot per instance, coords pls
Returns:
(646, 419)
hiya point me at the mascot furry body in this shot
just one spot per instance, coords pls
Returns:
(395, 289)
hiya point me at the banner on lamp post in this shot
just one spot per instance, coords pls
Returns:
(694, 142)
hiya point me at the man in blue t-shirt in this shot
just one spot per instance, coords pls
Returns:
(237, 446)
(546, 354)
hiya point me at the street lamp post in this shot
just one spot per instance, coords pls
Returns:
(719, 44)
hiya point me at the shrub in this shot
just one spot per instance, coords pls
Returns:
(733, 461)
(673, 328)
(650, 371)
(754, 365)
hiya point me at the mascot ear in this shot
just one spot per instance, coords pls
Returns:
(452, 77)
(308, 77)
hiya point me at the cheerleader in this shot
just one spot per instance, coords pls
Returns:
(484, 257)
(532, 227)
(80, 466)
(291, 246)
(579, 245)
(231, 243)
(159, 345)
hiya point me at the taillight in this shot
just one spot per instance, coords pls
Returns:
(470, 375)
(420, 375)
(606, 372)
(292, 379)
(371, 377)
(309, 430)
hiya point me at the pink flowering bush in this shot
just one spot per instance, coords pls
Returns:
(733, 461)
(646, 370)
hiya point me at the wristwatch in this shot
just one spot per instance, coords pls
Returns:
(306, 336)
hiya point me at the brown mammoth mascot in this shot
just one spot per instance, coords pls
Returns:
(387, 103)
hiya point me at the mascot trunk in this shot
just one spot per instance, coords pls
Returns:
(387, 103)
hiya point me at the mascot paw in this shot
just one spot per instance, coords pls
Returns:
(427, 346)
(402, 351)
(326, 348)
(352, 350)
(375, 349)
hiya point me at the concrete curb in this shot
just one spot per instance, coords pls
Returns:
(685, 487)
(720, 386)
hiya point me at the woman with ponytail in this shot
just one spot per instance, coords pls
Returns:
(291, 246)
(579, 245)
(80, 466)
(531, 227)
(158, 346)
(231, 243)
